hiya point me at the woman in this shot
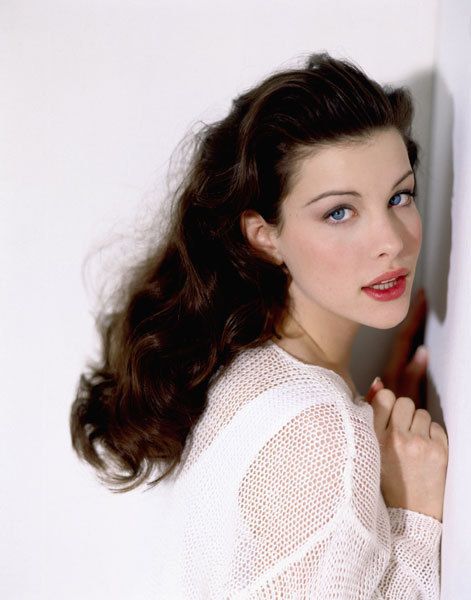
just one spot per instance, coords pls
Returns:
(226, 358)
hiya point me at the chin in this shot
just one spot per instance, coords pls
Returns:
(388, 321)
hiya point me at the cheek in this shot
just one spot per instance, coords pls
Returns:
(321, 257)
(413, 226)
(417, 232)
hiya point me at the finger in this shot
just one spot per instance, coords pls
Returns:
(383, 403)
(402, 414)
(421, 423)
(419, 361)
(438, 433)
(375, 387)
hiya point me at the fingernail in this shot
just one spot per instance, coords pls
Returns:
(421, 354)
(376, 380)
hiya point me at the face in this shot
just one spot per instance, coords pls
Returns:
(335, 245)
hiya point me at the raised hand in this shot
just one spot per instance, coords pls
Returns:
(414, 454)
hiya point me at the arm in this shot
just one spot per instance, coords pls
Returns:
(318, 524)
(414, 565)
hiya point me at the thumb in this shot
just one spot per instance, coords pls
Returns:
(421, 356)
(374, 387)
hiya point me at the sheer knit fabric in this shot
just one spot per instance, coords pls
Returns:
(278, 496)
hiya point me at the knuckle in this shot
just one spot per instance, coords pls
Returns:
(406, 402)
(385, 397)
(396, 437)
(418, 445)
(422, 411)
(437, 429)
(407, 443)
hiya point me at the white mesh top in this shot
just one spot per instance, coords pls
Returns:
(278, 495)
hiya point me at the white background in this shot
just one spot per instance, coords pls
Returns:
(95, 96)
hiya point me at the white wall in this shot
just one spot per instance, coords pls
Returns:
(447, 277)
(95, 96)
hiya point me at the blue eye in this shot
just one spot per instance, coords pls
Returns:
(337, 210)
(410, 194)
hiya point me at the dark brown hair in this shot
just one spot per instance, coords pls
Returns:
(204, 293)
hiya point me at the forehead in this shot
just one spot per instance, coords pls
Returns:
(380, 157)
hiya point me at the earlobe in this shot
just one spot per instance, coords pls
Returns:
(259, 235)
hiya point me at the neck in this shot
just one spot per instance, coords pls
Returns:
(329, 346)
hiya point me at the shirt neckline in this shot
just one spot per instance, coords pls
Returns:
(297, 361)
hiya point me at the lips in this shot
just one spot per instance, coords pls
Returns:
(388, 275)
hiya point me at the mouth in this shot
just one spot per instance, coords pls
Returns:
(388, 276)
(387, 291)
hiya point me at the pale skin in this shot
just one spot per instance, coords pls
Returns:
(330, 261)
(334, 246)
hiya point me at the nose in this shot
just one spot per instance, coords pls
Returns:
(388, 236)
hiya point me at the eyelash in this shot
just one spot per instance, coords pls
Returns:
(409, 193)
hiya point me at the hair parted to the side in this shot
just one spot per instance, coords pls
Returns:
(204, 293)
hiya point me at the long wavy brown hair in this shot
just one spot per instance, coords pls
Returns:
(203, 293)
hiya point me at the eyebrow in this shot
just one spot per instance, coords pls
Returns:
(353, 193)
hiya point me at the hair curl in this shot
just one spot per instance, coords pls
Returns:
(204, 293)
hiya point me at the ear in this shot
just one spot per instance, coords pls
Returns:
(260, 235)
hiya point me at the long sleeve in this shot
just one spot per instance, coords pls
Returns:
(278, 496)
(415, 550)
(316, 522)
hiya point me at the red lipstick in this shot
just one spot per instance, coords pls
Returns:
(390, 293)
(388, 275)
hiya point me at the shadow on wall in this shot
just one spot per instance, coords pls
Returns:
(435, 187)
(437, 251)
(441, 177)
